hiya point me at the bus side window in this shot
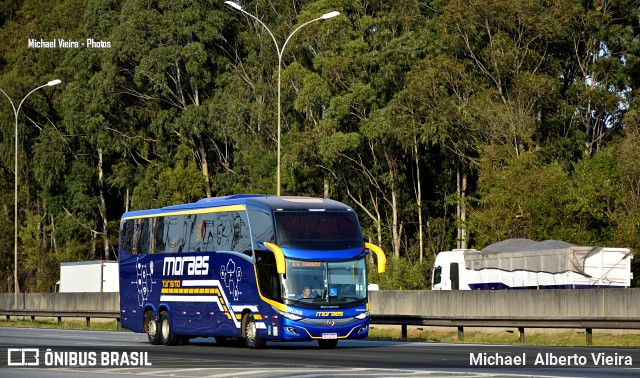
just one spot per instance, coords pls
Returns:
(126, 235)
(194, 232)
(173, 239)
(216, 231)
(261, 227)
(143, 236)
(158, 235)
(241, 241)
(207, 232)
(190, 236)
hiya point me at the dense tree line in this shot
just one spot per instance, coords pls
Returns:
(445, 124)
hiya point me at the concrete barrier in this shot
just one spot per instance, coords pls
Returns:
(62, 301)
(551, 304)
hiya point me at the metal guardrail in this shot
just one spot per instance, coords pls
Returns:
(402, 320)
(506, 322)
(63, 314)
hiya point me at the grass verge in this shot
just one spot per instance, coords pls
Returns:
(563, 338)
(110, 325)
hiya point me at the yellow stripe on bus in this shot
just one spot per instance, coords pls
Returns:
(205, 210)
(194, 290)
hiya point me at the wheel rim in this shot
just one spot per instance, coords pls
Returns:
(152, 329)
(251, 330)
(165, 329)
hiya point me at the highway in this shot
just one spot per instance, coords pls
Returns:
(62, 353)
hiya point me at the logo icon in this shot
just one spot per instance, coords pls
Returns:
(144, 283)
(27, 357)
(231, 275)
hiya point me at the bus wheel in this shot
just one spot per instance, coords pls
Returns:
(327, 344)
(153, 331)
(251, 334)
(166, 333)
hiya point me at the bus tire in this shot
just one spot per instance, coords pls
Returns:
(251, 333)
(167, 336)
(328, 344)
(153, 330)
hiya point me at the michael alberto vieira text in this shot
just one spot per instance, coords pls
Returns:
(550, 359)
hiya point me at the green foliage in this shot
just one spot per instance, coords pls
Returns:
(400, 275)
(385, 108)
(181, 183)
(521, 198)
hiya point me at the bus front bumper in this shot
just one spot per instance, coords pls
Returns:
(318, 329)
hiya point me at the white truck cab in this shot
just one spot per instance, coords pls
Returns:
(448, 271)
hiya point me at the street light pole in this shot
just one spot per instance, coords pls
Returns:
(280, 52)
(15, 191)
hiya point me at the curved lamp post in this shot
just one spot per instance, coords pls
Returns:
(15, 193)
(280, 51)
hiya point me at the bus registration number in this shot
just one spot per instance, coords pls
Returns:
(329, 336)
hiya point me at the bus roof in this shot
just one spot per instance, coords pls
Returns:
(276, 203)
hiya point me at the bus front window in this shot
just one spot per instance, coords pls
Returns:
(312, 283)
(315, 230)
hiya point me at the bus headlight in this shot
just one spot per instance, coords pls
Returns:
(362, 315)
(288, 315)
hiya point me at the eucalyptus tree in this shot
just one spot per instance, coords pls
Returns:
(504, 81)
(358, 145)
(434, 110)
(509, 43)
(605, 41)
(627, 217)
(83, 140)
(168, 57)
(21, 69)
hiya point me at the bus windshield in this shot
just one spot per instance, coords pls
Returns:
(317, 230)
(312, 283)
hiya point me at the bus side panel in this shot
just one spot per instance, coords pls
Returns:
(205, 293)
(212, 305)
(239, 288)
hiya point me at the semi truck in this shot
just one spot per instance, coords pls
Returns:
(88, 277)
(527, 264)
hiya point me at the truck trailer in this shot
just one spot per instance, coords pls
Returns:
(527, 264)
(89, 277)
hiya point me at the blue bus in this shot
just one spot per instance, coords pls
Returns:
(249, 268)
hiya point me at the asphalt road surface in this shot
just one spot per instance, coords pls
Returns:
(63, 353)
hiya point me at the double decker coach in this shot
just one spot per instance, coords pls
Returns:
(254, 267)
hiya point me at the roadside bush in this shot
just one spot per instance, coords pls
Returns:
(400, 274)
